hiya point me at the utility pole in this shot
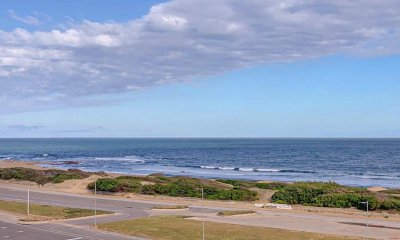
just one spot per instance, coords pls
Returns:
(202, 206)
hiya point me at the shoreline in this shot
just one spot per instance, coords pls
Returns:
(39, 165)
(79, 186)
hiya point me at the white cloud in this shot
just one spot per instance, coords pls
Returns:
(30, 20)
(183, 40)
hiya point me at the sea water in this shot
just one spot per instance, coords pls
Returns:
(358, 162)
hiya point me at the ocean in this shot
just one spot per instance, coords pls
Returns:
(357, 162)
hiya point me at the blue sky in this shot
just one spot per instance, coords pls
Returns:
(130, 69)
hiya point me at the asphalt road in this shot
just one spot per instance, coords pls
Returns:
(13, 231)
(127, 209)
(20, 232)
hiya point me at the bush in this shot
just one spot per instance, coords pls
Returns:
(372, 200)
(237, 183)
(175, 187)
(104, 185)
(390, 204)
(41, 176)
(326, 195)
(300, 194)
(271, 185)
(61, 177)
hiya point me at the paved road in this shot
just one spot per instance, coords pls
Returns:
(126, 208)
(19, 232)
(13, 231)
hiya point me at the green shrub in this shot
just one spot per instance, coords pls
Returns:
(300, 194)
(105, 185)
(238, 184)
(390, 204)
(41, 176)
(373, 202)
(61, 177)
(326, 195)
(271, 185)
(175, 187)
(337, 200)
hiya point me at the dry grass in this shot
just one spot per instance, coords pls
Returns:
(47, 212)
(179, 228)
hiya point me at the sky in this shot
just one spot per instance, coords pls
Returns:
(191, 68)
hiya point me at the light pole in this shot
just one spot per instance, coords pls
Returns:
(202, 207)
(95, 204)
(366, 230)
(27, 203)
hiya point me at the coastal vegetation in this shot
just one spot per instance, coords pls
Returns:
(253, 184)
(330, 194)
(41, 176)
(173, 186)
(52, 212)
(181, 228)
(320, 194)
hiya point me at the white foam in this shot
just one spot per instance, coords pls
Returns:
(246, 169)
(132, 159)
(226, 168)
(266, 170)
(208, 167)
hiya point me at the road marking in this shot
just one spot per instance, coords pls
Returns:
(3, 227)
(6, 236)
(20, 231)
(74, 238)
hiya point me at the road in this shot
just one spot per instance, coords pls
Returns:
(127, 208)
(13, 231)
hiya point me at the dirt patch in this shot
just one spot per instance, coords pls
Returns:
(16, 164)
(376, 189)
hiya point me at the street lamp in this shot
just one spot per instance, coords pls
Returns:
(202, 206)
(366, 230)
(28, 203)
(95, 204)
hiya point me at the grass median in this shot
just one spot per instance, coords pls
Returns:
(179, 228)
(50, 212)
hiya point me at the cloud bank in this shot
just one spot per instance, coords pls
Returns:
(184, 40)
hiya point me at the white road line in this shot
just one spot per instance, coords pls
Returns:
(74, 238)
(4, 227)
(20, 231)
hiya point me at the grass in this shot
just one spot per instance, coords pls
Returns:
(170, 207)
(235, 212)
(53, 212)
(178, 228)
